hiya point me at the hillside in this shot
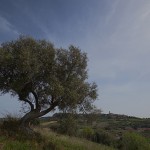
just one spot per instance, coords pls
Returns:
(78, 132)
(52, 141)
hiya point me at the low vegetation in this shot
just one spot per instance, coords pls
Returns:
(45, 139)
(50, 134)
(134, 141)
(113, 130)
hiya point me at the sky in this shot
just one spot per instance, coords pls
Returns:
(115, 34)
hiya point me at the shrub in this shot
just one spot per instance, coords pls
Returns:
(99, 136)
(87, 133)
(134, 141)
(35, 122)
(68, 125)
(104, 137)
(10, 126)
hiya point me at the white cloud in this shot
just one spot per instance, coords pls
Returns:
(120, 58)
(7, 27)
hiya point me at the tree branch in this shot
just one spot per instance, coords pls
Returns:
(36, 101)
(49, 109)
(30, 103)
(34, 114)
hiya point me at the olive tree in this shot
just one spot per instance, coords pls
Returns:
(45, 77)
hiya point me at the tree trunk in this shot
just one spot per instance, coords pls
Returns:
(25, 122)
(33, 114)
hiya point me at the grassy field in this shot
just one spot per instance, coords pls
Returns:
(63, 142)
(52, 141)
(111, 133)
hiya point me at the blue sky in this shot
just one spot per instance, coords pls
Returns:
(115, 34)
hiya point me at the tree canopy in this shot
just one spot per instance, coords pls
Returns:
(45, 77)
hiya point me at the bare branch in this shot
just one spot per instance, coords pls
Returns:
(30, 103)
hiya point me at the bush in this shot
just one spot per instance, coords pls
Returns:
(35, 122)
(10, 126)
(134, 141)
(87, 133)
(104, 137)
(68, 125)
(99, 136)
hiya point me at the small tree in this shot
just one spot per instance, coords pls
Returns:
(68, 124)
(93, 115)
(45, 77)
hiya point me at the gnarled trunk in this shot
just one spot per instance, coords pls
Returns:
(33, 114)
(25, 122)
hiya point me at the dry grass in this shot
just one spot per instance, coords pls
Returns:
(48, 123)
(49, 140)
(63, 142)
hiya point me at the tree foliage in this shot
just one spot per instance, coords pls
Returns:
(45, 77)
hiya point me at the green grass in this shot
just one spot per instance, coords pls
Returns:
(13, 144)
(2, 139)
(62, 142)
(51, 141)
(17, 145)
